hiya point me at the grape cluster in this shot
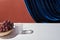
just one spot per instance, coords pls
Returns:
(6, 26)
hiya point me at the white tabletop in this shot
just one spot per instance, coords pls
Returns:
(41, 31)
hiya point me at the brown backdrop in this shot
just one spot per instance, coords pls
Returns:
(14, 10)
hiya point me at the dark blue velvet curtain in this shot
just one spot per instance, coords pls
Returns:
(44, 11)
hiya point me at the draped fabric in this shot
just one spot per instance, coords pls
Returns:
(44, 11)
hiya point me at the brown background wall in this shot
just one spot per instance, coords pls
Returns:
(14, 10)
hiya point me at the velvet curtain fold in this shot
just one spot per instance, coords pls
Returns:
(44, 11)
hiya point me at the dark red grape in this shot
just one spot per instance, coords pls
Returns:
(6, 26)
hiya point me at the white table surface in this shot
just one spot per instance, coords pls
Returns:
(41, 31)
